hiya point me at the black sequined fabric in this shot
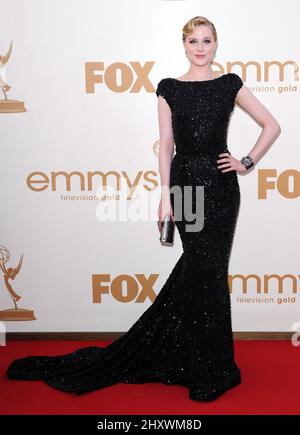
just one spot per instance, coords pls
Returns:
(185, 336)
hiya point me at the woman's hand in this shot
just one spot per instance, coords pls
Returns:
(229, 163)
(164, 209)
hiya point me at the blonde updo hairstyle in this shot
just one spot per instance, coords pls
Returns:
(189, 27)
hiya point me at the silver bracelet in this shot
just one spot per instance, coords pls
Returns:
(247, 162)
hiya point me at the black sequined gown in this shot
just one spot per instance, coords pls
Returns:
(185, 336)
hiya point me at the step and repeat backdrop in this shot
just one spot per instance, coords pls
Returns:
(79, 140)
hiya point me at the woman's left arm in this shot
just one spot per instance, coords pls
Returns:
(270, 129)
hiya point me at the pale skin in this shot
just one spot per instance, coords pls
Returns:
(201, 42)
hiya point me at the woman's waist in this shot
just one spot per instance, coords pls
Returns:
(202, 152)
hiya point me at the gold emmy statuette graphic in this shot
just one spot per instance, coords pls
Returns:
(6, 105)
(10, 273)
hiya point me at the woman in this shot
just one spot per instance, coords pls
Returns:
(185, 336)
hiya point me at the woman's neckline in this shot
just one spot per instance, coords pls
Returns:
(200, 81)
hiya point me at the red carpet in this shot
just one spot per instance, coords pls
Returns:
(270, 385)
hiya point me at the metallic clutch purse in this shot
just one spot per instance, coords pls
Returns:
(167, 231)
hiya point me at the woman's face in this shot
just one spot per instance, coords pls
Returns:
(200, 45)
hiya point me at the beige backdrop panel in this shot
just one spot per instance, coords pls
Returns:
(87, 71)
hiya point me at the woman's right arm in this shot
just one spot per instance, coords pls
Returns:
(166, 150)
